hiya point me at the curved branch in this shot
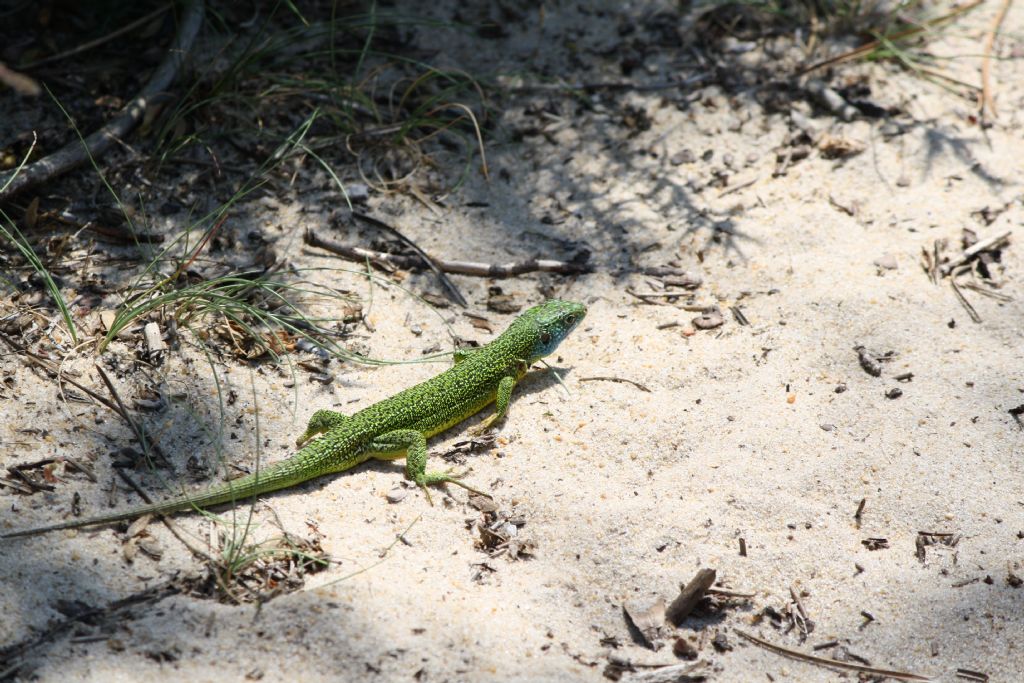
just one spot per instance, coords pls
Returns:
(78, 152)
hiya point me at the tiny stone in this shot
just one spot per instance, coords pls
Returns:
(895, 392)
(840, 388)
(708, 321)
(886, 262)
(358, 192)
(683, 156)
(827, 427)
(684, 649)
(397, 495)
(721, 642)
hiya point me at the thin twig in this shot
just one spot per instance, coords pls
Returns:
(79, 151)
(639, 386)
(737, 188)
(964, 302)
(122, 410)
(609, 85)
(389, 262)
(975, 287)
(987, 103)
(726, 593)
(825, 661)
(648, 297)
(975, 249)
(800, 618)
(928, 265)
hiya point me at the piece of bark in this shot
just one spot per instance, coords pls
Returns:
(690, 595)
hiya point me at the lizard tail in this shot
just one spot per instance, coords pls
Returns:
(277, 476)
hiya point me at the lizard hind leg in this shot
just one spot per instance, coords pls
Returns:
(414, 443)
(320, 422)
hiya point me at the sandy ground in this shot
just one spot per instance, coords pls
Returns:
(769, 432)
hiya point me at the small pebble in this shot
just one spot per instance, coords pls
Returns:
(895, 392)
(886, 262)
(709, 320)
(397, 495)
(358, 192)
(683, 156)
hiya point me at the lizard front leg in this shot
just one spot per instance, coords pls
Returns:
(502, 400)
(389, 445)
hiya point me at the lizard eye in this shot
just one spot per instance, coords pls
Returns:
(545, 338)
(570, 320)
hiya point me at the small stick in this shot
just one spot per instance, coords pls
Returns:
(689, 596)
(75, 465)
(737, 188)
(389, 262)
(803, 622)
(121, 410)
(738, 314)
(17, 486)
(825, 661)
(975, 249)
(964, 302)
(639, 386)
(34, 486)
(860, 511)
(609, 85)
(929, 267)
(729, 594)
(973, 286)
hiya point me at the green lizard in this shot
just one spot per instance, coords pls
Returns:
(395, 427)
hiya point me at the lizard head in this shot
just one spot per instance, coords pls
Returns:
(551, 322)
